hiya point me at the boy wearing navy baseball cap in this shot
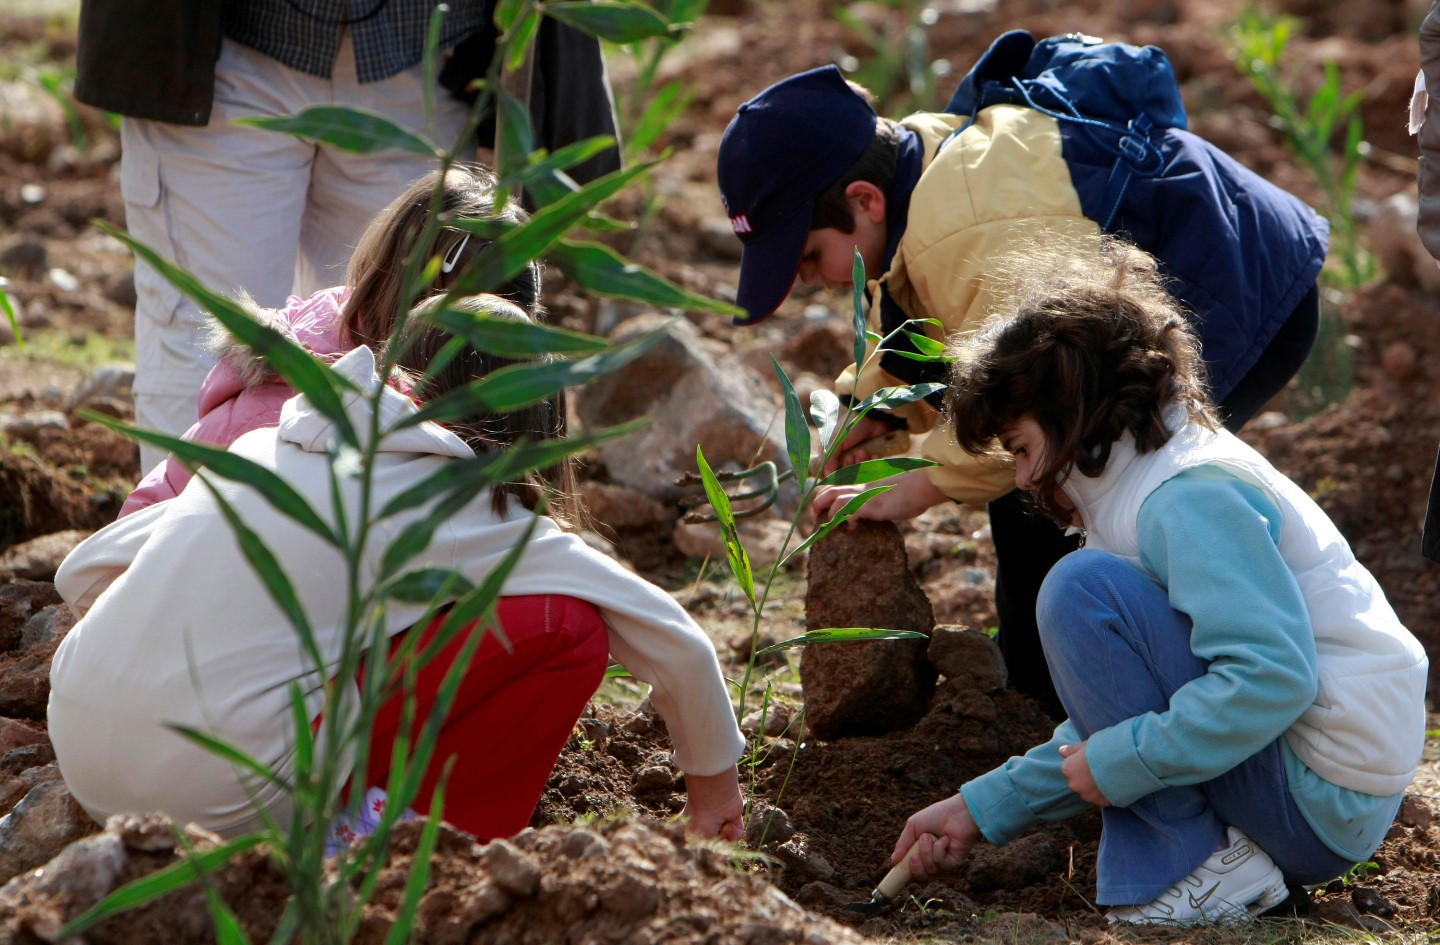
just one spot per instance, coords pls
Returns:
(809, 175)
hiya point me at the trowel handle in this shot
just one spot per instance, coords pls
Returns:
(898, 878)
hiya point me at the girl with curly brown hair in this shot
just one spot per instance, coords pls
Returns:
(1244, 706)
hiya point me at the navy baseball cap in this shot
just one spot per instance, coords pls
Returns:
(782, 150)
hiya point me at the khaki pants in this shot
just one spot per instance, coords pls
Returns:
(253, 210)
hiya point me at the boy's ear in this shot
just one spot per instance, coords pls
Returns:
(866, 199)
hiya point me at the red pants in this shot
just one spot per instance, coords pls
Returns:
(513, 712)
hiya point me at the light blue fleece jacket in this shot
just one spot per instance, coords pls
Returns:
(1211, 539)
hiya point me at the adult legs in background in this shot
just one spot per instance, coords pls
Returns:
(514, 710)
(1116, 649)
(231, 204)
(1028, 544)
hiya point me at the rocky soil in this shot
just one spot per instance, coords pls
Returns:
(829, 793)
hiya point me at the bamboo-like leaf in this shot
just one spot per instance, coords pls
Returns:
(152, 886)
(517, 139)
(304, 736)
(797, 430)
(873, 470)
(515, 246)
(227, 465)
(520, 40)
(836, 519)
(520, 385)
(841, 635)
(512, 338)
(469, 476)
(424, 585)
(9, 309)
(888, 397)
(735, 553)
(857, 298)
(616, 671)
(419, 878)
(616, 21)
(926, 345)
(825, 411)
(267, 568)
(483, 597)
(506, 12)
(429, 59)
(345, 127)
(668, 104)
(300, 370)
(231, 753)
(605, 272)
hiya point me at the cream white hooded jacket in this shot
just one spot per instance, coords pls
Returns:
(177, 628)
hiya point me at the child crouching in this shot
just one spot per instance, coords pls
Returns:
(1244, 705)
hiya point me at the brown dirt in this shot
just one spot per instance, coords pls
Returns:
(840, 803)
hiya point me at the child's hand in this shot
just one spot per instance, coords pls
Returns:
(714, 806)
(912, 493)
(945, 831)
(864, 430)
(1076, 769)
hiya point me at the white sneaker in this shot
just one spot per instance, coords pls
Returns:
(1234, 885)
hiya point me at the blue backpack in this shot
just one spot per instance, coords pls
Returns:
(1123, 93)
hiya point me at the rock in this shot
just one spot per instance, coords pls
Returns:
(654, 778)
(517, 873)
(16, 734)
(107, 382)
(766, 824)
(24, 257)
(29, 426)
(1016, 865)
(822, 897)
(638, 525)
(968, 657)
(691, 397)
(1415, 812)
(46, 821)
(797, 855)
(39, 558)
(18, 601)
(773, 720)
(25, 682)
(34, 125)
(48, 627)
(860, 578)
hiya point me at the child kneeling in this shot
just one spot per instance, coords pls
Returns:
(1244, 705)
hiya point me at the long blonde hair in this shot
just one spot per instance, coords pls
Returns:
(377, 269)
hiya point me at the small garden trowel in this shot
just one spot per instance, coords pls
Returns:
(890, 887)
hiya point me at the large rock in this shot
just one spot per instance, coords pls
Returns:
(39, 558)
(860, 577)
(693, 396)
(18, 601)
(40, 826)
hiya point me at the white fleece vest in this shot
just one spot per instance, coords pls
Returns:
(1366, 728)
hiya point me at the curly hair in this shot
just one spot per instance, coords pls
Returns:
(1092, 346)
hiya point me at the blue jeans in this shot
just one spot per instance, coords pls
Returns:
(1117, 649)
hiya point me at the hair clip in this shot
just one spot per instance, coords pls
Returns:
(452, 258)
